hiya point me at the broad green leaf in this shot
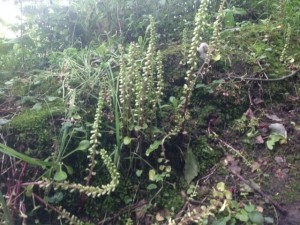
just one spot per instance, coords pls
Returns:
(190, 167)
(153, 147)
(152, 174)
(60, 175)
(249, 208)
(83, 145)
(221, 221)
(242, 216)
(126, 140)
(256, 217)
(151, 187)
(11, 152)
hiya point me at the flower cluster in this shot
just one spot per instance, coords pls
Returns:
(283, 56)
(92, 191)
(72, 219)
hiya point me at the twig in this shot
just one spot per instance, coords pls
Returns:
(274, 203)
(266, 80)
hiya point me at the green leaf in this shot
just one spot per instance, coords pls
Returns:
(83, 145)
(60, 175)
(139, 173)
(127, 140)
(269, 220)
(242, 216)
(51, 98)
(151, 187)
(272, 140)
(190, 167)
(56, 198)
(69, 169)
(229, 19)
(140, 40)
(217, 57)
(153, 147)
(37, 107)
(152, 174)
(249, 208)
(221, 186)
(256, 217)
(11, 152)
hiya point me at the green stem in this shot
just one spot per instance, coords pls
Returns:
(5, 210)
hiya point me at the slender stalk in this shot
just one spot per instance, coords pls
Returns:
(114, 93)
(8, 219)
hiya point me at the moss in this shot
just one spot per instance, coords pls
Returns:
(206, 156)
(32, 129)
(170, 199)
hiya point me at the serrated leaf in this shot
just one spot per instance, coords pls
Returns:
(126, 140)
(153, 147)
(83, 145)
(190, 167)
(256, 217)
(152, 174)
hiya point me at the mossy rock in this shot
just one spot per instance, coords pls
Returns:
(32, 130)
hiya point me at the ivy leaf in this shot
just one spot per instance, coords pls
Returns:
(190, 167)
(256, 217)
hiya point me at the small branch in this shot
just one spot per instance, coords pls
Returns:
(266, 80)
(274, 203)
